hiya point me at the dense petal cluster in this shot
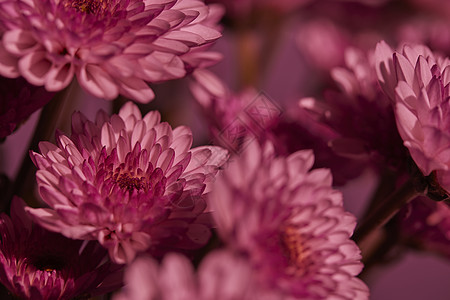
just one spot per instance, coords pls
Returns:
(111, 46)
(39, 264)
(129, 181)
(418, 82)
(19, 100)
(221, 275)
(290, 224)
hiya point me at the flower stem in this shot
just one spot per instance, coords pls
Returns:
(249, 57)
(45, 129)
(383, 212)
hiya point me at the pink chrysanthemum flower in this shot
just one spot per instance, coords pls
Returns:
(221, 275)
(290, 223)
(418, 82)
(111, 46)
(425, 224)
(129, 181)
(233, 116)
(354, 111)
(19, 100)
(236, 118)
(38, 264)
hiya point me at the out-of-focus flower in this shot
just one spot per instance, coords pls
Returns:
(441, 7)
(353, 115)
(19, 100)
(38, 264)
(241, 8)
(129, 181)
(111, 47)
(322, 43)
(418, 82)
(237, 118)
(430, 31)
(221, 275)
(289, 223)
(426, 225)
(233, 117)
(355, 112)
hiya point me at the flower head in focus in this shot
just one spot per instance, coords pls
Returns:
(417, 81)
(289, 223)
(111, 46)
(221, 275)
(38, 264)
(129, 181)
(19, 100)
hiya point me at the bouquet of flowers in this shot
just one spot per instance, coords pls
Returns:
(223, 149)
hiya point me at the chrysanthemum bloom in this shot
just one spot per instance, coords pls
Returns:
(425, 224)
(19, 100)
(352, 116)
(289, 223)
(418, 82)
(355, 110)
(39, 264)
(236, 118)
(111, 46)
(233, 116)
(221, 275)
(127, 181)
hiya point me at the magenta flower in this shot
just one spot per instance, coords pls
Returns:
(418, 82)
(130, 182)
(354, 112)
(290, 224)
(111, 47)
(38, 264)
(347, 135)
(426, 225)
(19, 100)
(233, 116)
(221, 275)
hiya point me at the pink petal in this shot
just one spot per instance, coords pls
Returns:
(59, 77)
(136, 89)
(19, 42)
(35, 67)
(8, 63)
(99, 83)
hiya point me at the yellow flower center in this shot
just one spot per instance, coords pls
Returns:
(87, 6)
(292, 245)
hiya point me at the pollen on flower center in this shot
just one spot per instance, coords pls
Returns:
(87, 6)
(128, 182)
(48, 263)
(292, 245)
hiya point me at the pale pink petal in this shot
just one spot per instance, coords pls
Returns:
(97, 82)
(35, 67)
